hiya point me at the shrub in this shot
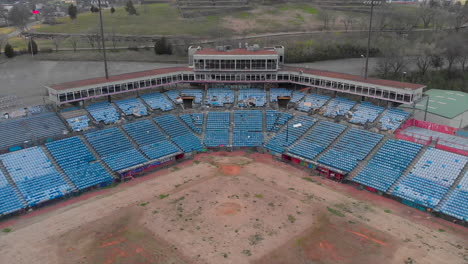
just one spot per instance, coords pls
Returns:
(9, 51)
(32, 47)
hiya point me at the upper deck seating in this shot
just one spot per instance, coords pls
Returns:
(157, 101)
(279, 92)
(132, 106)
(251, 97)
(103, 111)
(392, 119)
(366, 112)
(338, 106)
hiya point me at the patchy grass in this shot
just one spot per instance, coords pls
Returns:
(6, 30)
(308, 179)
(144, 204)
(175, 168)
(6, 230)
(388, 211)
(291, 219)
(259, 195)
(441, 230)
(247, 252)
(335, 212)
(306, 8)
(178, 200)
(196, 162)
(255, 239)
(162, 196)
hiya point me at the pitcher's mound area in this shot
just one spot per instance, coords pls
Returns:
(263, 213)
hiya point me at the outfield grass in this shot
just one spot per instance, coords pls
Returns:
(153, 19)
(6, 30)
(306, 8)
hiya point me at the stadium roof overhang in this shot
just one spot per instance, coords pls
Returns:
(399, 92)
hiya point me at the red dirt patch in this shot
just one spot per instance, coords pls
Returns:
(230, 169)
(228, 209)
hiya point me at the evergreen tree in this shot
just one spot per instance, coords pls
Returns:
(130, 8)
(72, 11)
(162, 46)
(112, 10)
(9, 51)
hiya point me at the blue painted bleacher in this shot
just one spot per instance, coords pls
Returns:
(157, 101)
(297, 96)
(431, 178)
(251, 97)
(366, 112)
(351, 149)
(275, 120)
(78, 123)
(150, 139)
(388, 164)
(312, 101)
(217, 129)
(219, 96)
(181, 136)
(34, 175)
(338, 106)
(78, 163)
(132, 106)
(248, 128)
(294, 130)
(196, 93)
(279, 92)
(317, 140)
(173, 95)
(103, 111)
(194, 121)
(392, 119)
(115, 149)
(9, 200)
(456, 204)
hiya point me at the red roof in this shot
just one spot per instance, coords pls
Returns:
(357, 78)
(119, 77)
(235, 52)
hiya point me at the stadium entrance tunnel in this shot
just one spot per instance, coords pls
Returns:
(283, 101)
(188, 101)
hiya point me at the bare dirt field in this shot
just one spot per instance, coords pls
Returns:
(231, 208)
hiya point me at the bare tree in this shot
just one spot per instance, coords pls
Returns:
(441, 19)
(426, 15)
(347, 21)
(56, 42)
(327, 18)
(424, 56)
(452, 48)
(19, 16)
(394, 59)
(73, 42)
(460, 16)
(4, 15)
(383, 17)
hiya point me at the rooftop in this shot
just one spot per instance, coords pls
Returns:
(357, 78)
(119, 77)
(236, 52)
(445, 103)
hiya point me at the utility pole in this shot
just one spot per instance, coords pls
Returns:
(371, 3)
(103, 46)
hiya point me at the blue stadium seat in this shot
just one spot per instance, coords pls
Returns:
(456, 203)
(312, 101)
(9, 200)
(194, 121)
(181, 136)
(366, 112)
(248, 128)
(294, 130)
(157, 101)
(104, 112)
(132, 106)
(392, 119)
(251, 97)
(78, 123)
(279, 92)
(217, 129)
(219, 96)
(338, 106)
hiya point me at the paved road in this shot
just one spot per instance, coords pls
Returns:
(25, 77)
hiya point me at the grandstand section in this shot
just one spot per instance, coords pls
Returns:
(157, 101)
(35, 175)
(181, 136)
(317, 140)
(196, 94)
(388, 164)
(217, 129)
(248, 129)
(313, 101)
(10, 202)
(279, 92)
(194, 121)
(275, 120)
(78, 163)
(132, 106)
(392, 119)
(297, 96)
(351, 149)
(219, 96)
(455, 203)
(431, 178)
(294, 129)
(251, 98)
(17, 132)
(104, 112)
(366, 113)
(338, 106)
(79, 123)
(115, 149)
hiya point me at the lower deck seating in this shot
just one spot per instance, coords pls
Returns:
(115, 149)
(392, 119)
(219, 96)
(351, 149)
(456, 203)
(196, 93)
(34, 175)
(78, 163)
(157, 101)
(431, 178)
(10, 202)
(275, 120)
(251, 98)
(248, 129)
(104, 112)
(388, 164)
(217, 129)
(317, 140)
(194, 121)
(294, 130)
(181, 136)
(132, 106)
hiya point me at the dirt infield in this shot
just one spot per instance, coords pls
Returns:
(233, 208)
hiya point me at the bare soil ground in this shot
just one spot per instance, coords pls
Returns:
(232, 208)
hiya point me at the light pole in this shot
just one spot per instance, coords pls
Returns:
(372, 3)
(103, 46)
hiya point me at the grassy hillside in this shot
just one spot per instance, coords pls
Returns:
(164, 19)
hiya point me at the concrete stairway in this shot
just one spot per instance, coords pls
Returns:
(303, 135)
(58, 168)
(408, 169)
(130, 139)
(366, 160)
(333, 143)
(452, 188)
(12, 183)
(97, 157)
